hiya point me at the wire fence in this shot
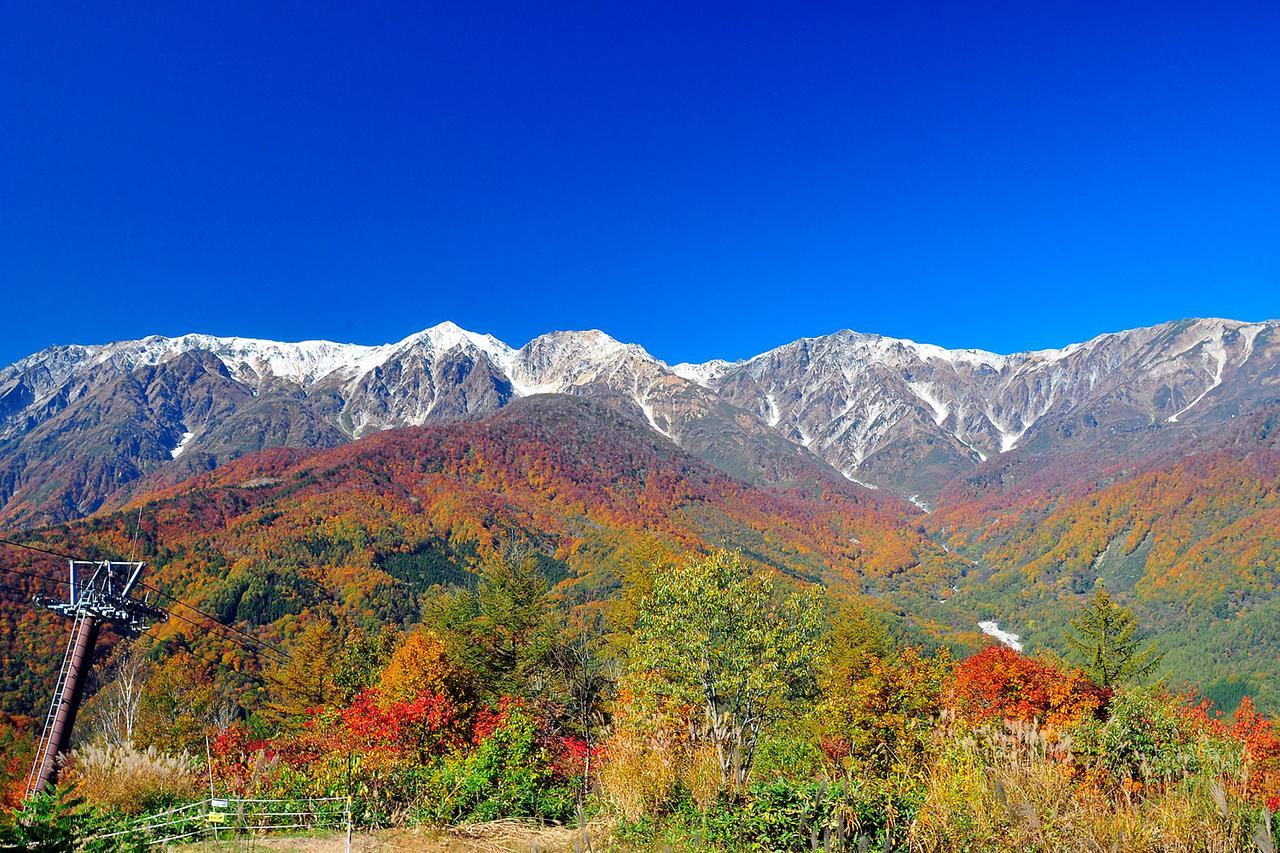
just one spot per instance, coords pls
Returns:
(219, 819)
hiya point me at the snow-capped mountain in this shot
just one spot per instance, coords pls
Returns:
(884, 410)
(79, 422)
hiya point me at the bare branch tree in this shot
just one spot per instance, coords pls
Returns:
(122, 698)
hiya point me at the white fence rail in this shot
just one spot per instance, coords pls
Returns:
(229, 818)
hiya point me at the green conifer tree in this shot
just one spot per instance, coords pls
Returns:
(1106, 641)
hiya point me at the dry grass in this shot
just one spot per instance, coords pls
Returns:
(505, 836)
(1008, 792)
(131, 780)
(702, 776)
(640, 772)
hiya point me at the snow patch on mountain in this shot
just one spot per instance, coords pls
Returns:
(446, 337)
(181, 445)
(1009, 438)
(704, 374)
(649, 416)
(863, 483)
(775, 414)
(982, 456)
(1216, 350)
(936, 404)
(559, 361)
(972, 357)
(247, 359)
(1250, 334)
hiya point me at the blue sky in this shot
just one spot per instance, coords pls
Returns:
(708, 183)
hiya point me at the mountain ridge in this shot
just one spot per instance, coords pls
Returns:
(453, 334)
(884, 412)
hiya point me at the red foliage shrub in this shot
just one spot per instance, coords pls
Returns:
(1258, 739)
(1261, 753)
(235, 750)
(569, 754)
(1001, 684)
(569, 757)
(427, 724)
(1204, 716)
(376, 730)
(836, 749)
(488, 720)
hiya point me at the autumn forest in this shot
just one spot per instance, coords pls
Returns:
(553, 615)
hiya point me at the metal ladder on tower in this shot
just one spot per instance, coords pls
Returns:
(59, 689)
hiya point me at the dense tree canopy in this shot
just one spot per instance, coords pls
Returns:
(714, 635)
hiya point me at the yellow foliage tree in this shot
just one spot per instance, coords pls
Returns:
(420, 665)
(305, 681)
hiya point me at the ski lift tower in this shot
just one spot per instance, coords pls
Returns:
(99, 595)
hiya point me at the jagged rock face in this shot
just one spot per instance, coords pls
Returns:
(420, 385)
(912, 416)
(78, 423)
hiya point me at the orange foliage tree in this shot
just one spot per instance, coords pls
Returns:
(879, 712)
(420, 665)
(1261, 753)
(1001, 684)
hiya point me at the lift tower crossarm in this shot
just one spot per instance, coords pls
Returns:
(104, 598)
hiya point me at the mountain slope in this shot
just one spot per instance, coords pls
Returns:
(253, 394)
(1188, 537)
(362, 530)
(914, 416)
(81, 424)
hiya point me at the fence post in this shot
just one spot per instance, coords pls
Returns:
(208, 761)
(350, 761)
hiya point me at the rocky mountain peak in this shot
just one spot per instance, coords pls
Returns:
(887, 412)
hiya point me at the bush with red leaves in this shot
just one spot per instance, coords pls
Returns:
(1001, 684)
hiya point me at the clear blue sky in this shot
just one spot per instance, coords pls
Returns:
(707, 183)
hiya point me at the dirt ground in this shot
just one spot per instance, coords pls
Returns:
(499, 837)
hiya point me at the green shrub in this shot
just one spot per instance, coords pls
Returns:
(1143, 739)
(797, 815)
(53, 821)
(508, 775)
(792, 757)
